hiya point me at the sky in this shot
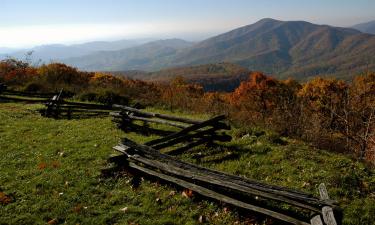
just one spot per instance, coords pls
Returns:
(26, 23)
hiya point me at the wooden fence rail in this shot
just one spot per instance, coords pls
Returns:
(57, 107)
(192, 132)
(223, 187)
(23, 96)
(237, 191)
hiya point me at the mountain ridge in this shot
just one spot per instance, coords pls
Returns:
(296, 49)
(53, 52)
(367, 27)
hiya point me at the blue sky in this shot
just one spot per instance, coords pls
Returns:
(33, 22)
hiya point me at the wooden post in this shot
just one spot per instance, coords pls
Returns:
(316, 220)
(69, 113)
(3, 87)
(327, 211)
(57, 105)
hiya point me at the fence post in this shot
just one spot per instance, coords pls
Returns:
(327, 211)
(3, 87)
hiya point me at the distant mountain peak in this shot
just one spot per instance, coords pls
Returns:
(296, 49)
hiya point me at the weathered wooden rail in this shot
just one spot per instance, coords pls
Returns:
(57, 108)
(234, 190)
(186, 133)
(23, 96)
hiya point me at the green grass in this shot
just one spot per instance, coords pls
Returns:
(51, 171)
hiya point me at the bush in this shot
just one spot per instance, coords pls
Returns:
(109, 98)
(89, 96)
(275, 138)
(34, 87)
(106, 97)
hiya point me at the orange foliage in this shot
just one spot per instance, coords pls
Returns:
(42, 165)
(106, 80)
(14, 72)
(322, 94)
(258, 98)
(58, 75)
(4, 199)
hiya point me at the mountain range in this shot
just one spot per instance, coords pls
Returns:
(224, 77)
(149, 56)
(368, 27)
(284, 49)
(56, 52)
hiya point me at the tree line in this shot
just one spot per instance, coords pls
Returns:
(327, 112)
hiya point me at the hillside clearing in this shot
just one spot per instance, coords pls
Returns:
(50, 171)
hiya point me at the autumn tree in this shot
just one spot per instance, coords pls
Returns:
(263, 100)
(360, 116)
(59, 75)
(322, 105)
(16, 72)
(179, 93)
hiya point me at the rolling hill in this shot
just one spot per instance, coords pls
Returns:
(368, 27)
(224, 77)
(285, 48)
(53, 52)
(144, 57)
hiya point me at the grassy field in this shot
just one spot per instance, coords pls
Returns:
(50, 173)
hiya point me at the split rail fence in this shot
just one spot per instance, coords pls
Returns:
(146, 159)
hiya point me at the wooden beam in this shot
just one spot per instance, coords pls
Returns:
(186, 130)
(187, 137)
(7, 98)
(29, 94)
(148, 151)
(316, 220)
(87, 105)
(226, 186)
(165, 122)
(157, 115)
(186, 147)
(327, 211)
(217, 196)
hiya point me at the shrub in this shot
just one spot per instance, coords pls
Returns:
(106, 97)
(34, 87)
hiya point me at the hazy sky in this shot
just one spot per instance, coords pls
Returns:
(24, 23)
